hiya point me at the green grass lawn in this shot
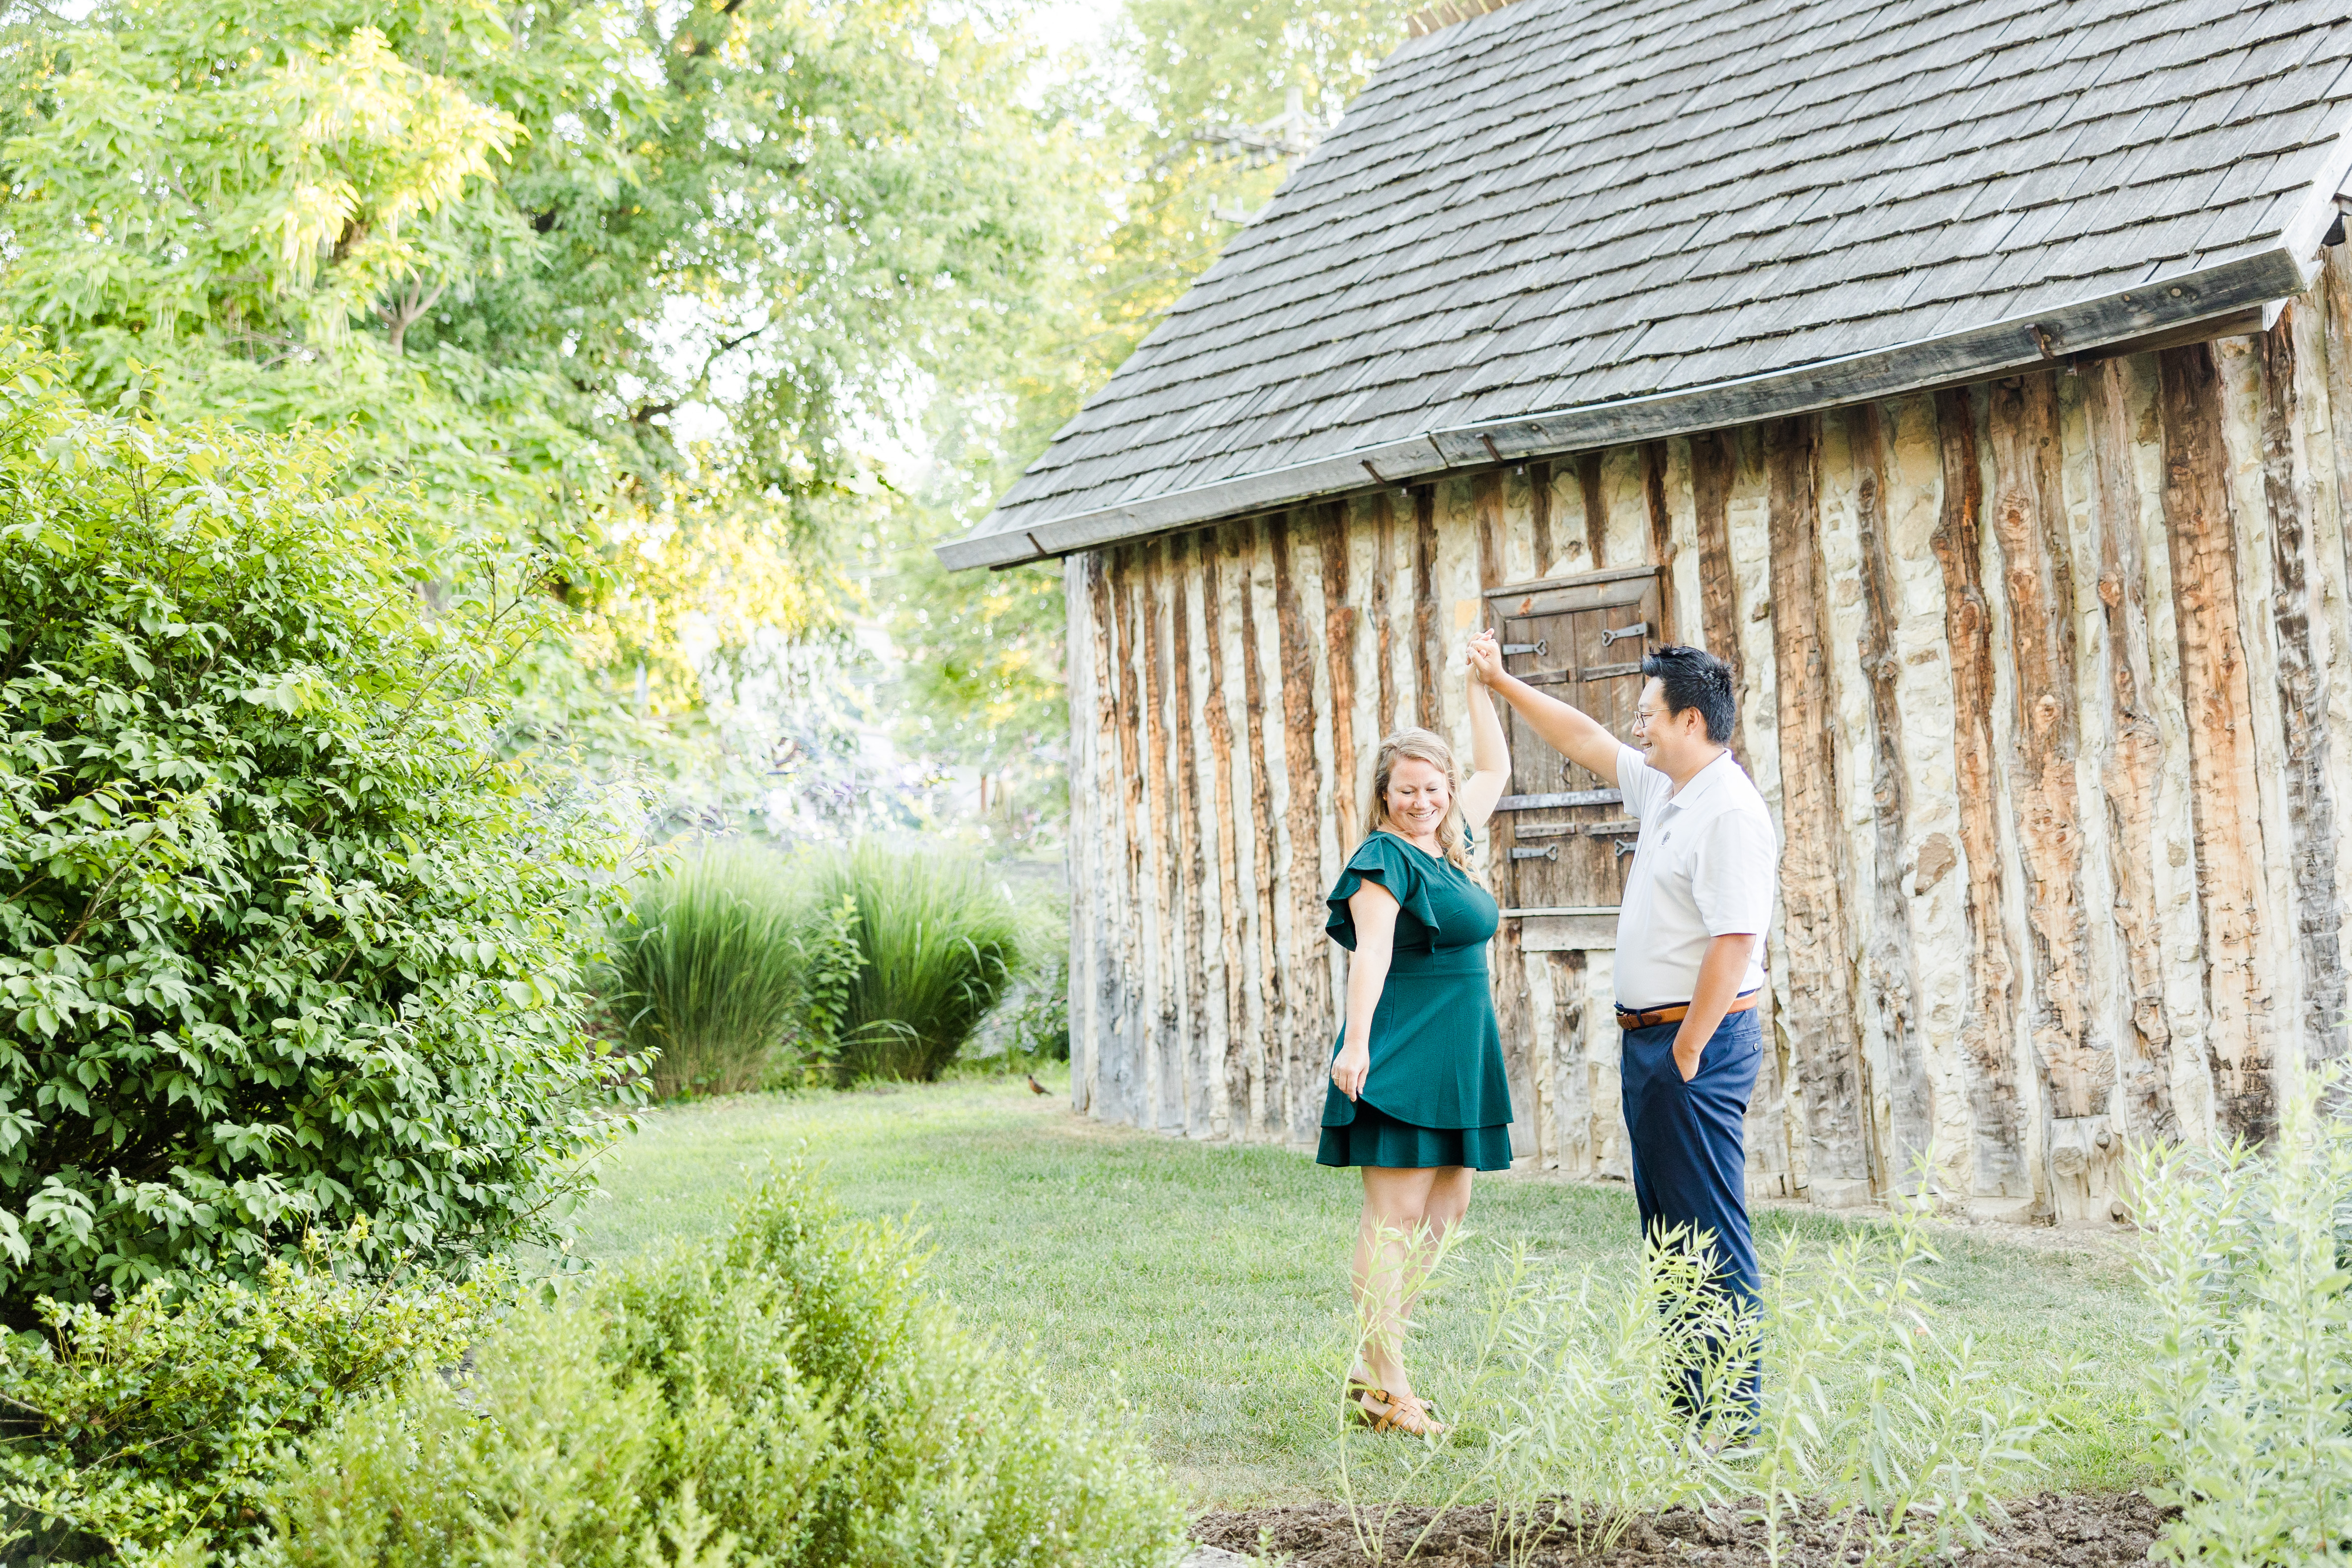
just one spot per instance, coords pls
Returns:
(1203, 1283)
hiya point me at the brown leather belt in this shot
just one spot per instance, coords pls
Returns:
(1629, 1019)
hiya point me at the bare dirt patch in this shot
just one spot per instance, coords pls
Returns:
(2045, 1531)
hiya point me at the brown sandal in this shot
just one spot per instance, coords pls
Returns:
(1406, 1413)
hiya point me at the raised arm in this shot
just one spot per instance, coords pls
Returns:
(1374, 911)
(1572, 732)
(1490, 753)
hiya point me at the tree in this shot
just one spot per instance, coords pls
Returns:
(632, 285)
(286, 943)
(1173, 105)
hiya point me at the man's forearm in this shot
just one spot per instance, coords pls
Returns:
(1572, 732)
(1717, 987)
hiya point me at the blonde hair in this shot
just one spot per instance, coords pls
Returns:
(1421, 745)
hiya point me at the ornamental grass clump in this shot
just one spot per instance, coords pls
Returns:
(287, 939)
(941, 942)
(790, 1393)
(725, 968)
(2248, 1270)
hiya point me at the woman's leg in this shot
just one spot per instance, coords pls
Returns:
(1390, 1242)
(1443, 1209)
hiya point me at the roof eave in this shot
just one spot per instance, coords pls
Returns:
(1974, 353)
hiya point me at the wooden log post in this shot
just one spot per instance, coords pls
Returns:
(1163, 1074)
(2143, 1102)
(1596, 507)
(1383, 511)
(1142, 869)
(2224, 793)
(1428, 655)
(1715, 454)
(1886, 949)
(1662, 531)
(1232, 901)
(1271, 1102)
(1820, 1017)
(2303, 706)
(1196, 1114)
(2029, 512)
(1997, 1144)
(1540, 516)
(1310, 986)
(1339, 661)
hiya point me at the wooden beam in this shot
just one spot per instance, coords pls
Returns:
(1339, 649)
(1887, 944)
(1821, 1024)
(1997, 1143)
(1428, 711)
(1596, 507)
(1310, 979)
(2224, 792)
(2143, 1102)
(1383, 509)
(1715, 454)
(2302, 705)
(1273, 1097)
(1539, 514)
(2027, 517)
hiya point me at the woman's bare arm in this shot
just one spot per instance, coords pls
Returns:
(1490, 753)
(1374, 908)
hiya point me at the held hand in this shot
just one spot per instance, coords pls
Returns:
(1485, 657)
(1350, 1068)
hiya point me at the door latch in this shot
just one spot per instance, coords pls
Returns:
(1610, 635)
(1549, 852)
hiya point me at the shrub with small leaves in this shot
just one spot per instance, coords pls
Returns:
(2249, 1268)
(160, 1421)
(790, 1393)
(284, 940)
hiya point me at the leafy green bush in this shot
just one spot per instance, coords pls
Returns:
(2250, 1268)
(161, 1420)
(788, 1394)
(721, 962)
(284, 942)
(941, 942)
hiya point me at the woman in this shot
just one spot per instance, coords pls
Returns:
(1418, 1097)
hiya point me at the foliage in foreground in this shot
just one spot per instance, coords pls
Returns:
(788, 1394)
(724, 967)
(1869, 1408)
(284, 944)
(941, 942)
(161, 1421)
(2250, 1268)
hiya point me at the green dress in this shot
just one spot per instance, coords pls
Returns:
(1437, 1093)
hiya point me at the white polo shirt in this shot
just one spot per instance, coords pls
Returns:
(1704, 867)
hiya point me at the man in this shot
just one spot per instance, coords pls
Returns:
(1689, 945)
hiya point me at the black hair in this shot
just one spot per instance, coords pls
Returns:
(1694, 677)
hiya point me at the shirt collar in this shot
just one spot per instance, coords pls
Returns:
(1703, 781)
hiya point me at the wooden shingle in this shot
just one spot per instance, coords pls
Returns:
(1572, 222)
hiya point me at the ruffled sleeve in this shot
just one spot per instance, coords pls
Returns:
(1379, 858)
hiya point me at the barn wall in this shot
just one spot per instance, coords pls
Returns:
(2042, 680)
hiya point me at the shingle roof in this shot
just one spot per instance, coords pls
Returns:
(1572, 222)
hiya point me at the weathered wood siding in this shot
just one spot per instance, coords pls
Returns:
(2041, 677)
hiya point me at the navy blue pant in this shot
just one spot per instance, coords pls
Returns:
(1690, 1156)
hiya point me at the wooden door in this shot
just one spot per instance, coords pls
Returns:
(1562, 835)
